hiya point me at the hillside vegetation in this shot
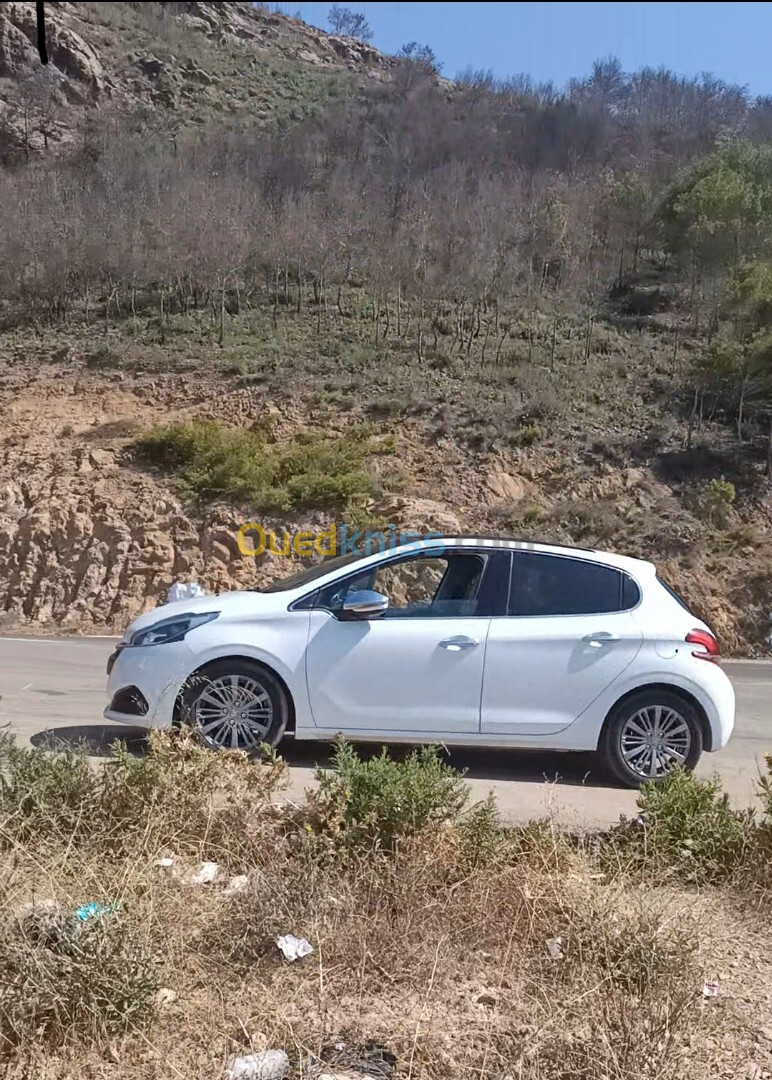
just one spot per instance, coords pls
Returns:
(554, 305)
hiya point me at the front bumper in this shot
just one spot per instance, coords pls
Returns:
(144, 682)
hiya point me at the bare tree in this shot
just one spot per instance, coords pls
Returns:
(349, 23)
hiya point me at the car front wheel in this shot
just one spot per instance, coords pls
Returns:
(648, 735)
(234, 705)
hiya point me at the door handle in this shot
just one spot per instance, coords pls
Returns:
(456, 644)
(599, 639)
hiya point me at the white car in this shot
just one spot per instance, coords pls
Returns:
(457, 641)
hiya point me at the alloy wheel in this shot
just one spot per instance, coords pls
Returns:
(234, 712)
(654, 740)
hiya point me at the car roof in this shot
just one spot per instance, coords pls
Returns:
(626, 562)
(440, 542)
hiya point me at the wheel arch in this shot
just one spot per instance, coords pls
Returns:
(677, 691)
(202, 669)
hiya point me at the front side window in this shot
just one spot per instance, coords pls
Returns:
(440, 586)
(560, 585)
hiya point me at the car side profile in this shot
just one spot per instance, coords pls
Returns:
(460, 641)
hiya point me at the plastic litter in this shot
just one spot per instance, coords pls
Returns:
(93, 910)
(183, 590)
(165, 863)
(294, 948)
(205, 874)
(711, 989)
(165, 996)
(555, 948)
(266, 1065)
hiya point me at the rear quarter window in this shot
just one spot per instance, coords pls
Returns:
(561, 585)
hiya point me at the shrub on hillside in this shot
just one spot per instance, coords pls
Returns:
(308, 470)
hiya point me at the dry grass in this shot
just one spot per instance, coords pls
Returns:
(431, 952)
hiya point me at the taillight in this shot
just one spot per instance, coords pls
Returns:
(709, 650)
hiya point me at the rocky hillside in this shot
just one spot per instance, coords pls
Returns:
(494, 310)
(184, 62)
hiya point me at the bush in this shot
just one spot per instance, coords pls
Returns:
(42, 794)
(379, 800)
(713, 501)
(688, 827)
(178, 794)
(62, 978)
(307, 471)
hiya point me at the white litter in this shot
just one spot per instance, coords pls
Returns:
(165, 863)
(236, 884)
(711, 989)
(294, 948)
(183, 590)
(555, 948)
(205, 874)
(266, 1065)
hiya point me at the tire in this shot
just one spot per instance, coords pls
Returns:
(234, 704)
(624, 743)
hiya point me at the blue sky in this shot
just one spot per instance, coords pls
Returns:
(555, 41)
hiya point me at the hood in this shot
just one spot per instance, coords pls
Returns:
(235, 604)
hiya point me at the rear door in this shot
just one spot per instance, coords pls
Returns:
(567, 635)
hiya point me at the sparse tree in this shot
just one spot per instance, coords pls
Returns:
(349, 23)
(423, 56)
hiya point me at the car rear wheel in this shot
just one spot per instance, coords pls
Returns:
(648, 735)
(234, 705)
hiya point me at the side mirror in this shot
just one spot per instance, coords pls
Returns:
(363, 604)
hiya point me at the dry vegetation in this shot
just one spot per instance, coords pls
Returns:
(571, 287)
(445, 944)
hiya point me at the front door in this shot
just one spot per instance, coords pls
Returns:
(418, 668)
(568, 635)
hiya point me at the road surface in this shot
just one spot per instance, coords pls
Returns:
(58, 686)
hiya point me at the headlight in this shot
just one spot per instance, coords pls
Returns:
(172, 629)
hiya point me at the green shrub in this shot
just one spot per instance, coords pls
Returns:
(713, 501)
(529, 435)
(308, 470)
(688, 827)
(378, 800)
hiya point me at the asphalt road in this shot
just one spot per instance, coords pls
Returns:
(54, 689)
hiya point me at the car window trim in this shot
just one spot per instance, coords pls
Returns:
(584, 614)
(491, 564)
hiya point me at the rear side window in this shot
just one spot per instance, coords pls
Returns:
(560, 585)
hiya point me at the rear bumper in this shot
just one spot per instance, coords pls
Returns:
(143, 683)
(719, 706)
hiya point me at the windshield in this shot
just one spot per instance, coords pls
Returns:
(311, 573)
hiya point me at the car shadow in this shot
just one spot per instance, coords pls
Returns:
(528, 766)
(96, 739)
